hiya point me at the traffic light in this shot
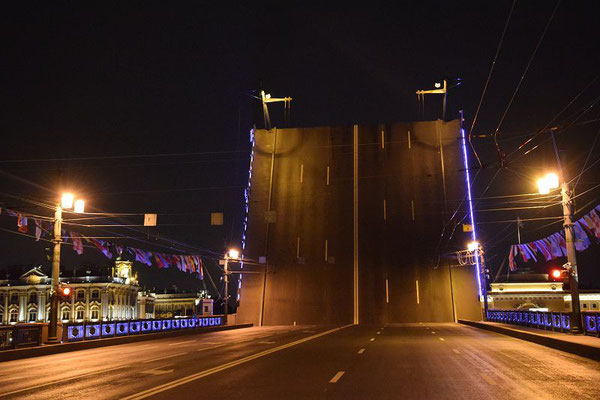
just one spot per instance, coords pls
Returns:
(558, 274)
(64, 292)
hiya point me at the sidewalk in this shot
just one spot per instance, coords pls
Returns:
(46, 349)
(581, 345)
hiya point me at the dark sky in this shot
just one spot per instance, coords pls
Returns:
(122, 79)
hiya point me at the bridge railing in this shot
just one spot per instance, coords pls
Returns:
(74, 332)
(549, 321)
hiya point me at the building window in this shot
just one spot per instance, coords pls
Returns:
(1, 317)
(66, 314)
(95, 295)
(14, 298)
(32, 315)
(80, 295)
(33, 298)
(13, 316)
(95, 314)
(1, 297)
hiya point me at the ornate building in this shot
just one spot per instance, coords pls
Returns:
(182, 304)
(92, 298)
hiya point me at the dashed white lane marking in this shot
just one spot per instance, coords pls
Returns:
(433, 332)
(361, 351)
(178, 343)
(337, 377)
(308, 331)
(162, 358)
(442, 339)
(378, 333)
(488, 379)
(456, 351)
(202, 374)
(372, 339)
(266, 342)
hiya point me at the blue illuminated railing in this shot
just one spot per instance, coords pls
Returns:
(73, 332)
(549, 321)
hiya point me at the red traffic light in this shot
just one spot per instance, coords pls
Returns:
(556, 273)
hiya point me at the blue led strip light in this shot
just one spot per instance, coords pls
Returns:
(246, 208)
(468, 179)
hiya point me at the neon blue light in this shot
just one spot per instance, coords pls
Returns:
(246, 208)
(468, 179)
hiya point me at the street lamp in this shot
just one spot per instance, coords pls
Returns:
(545, 185)
(476, 248)
(232, 254)
(66, 203)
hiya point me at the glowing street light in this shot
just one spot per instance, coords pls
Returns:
(547, 183)
(234, 254)
(67, 202)
(472, 246)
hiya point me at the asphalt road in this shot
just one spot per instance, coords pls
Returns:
(408, 361)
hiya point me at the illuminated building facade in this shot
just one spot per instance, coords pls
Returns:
(92, 298)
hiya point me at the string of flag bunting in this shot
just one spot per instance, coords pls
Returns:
(186, 263)
(554, 246)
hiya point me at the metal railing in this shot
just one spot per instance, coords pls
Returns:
(73, 332)
(549, 321)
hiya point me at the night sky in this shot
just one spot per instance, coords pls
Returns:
(146, 106)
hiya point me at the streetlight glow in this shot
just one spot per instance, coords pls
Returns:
(67, 200)
(233, 253)
(79, 205)
(547, 183)
(472, 246)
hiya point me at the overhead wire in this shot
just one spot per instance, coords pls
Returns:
(499, 150)
(487, 83)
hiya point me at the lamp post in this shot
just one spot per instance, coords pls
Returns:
(545, 184)
(477, 250)
(66, 203)
(231, 254)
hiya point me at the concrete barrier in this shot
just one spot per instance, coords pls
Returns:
(44, 350)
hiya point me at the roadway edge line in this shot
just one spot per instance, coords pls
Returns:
(231, 364)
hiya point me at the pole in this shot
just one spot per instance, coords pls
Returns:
(355, 226)
(226, 270)
(567, 203)
(261, 319)
(484, 289)
(53, 326)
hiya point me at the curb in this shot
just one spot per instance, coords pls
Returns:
(579, 349)
(43, 350)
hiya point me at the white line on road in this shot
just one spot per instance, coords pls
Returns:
(190, 378)
(337, 377)
(456, 351)
(433, 332)
(162, 358)
(361, 351)
(442, 339)
(378, 333)
(372, 339)
(178, 343)
(267, 342)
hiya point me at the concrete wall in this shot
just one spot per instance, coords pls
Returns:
(407, 188)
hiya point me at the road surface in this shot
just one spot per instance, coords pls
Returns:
(404, 361)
